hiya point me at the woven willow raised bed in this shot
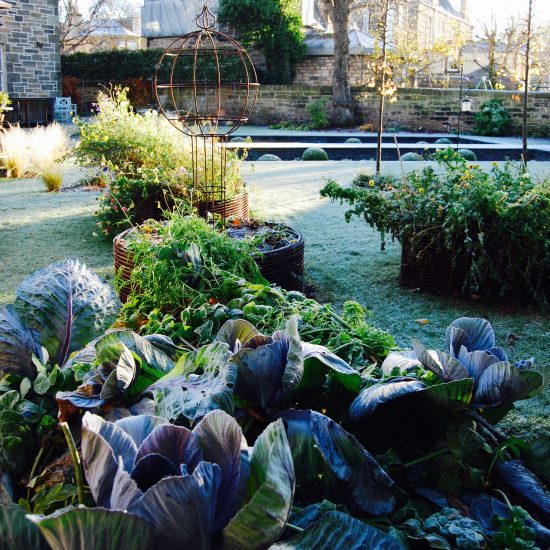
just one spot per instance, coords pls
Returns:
(433, 271)
(283, 266)
(236, 207)
(153, 206)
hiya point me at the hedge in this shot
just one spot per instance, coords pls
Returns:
(111, 66)
(119, 65)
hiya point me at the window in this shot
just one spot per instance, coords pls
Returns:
(428, 31)
(3, 79)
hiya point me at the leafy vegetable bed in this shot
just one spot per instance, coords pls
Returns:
(239, 415)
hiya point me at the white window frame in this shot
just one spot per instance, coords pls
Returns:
(3, 75)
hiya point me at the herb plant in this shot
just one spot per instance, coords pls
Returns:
(206, 284)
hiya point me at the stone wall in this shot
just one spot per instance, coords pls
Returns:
(316, 70)
(415, 110)
(29, 34)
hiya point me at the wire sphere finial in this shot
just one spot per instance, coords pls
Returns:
(206, 19)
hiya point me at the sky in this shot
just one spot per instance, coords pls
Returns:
(480, 10)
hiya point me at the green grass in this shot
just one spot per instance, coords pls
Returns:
(343, 261)
(38, 228)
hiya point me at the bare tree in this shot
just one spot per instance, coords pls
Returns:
(526, 80)
(382, 67)
(540, 56)
(500, 46)
(77, 25)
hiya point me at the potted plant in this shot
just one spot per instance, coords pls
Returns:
(463, 229)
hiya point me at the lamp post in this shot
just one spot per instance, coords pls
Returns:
(464, 105)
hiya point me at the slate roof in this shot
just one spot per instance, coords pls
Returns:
(162, 18)
(447, 6)
(322, 43)
(112, 27)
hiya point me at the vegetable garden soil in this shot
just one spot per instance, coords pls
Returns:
(343, 261)
(267, 236)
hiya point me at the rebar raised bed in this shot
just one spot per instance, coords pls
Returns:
(283, 266)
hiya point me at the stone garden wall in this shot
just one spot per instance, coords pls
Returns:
(29, 36)
(415, 110)
(316, 70)
(418, 110)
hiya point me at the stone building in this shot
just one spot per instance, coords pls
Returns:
(425, 22)
(30, 61)
(113, 34)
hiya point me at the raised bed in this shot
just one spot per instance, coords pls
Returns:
(154, 206)
(283, 266)
(236, 207)
(433, 271)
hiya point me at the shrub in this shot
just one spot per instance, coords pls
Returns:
(314, 153)
(318, 113)
(52, 178)
(382, 181)
(272, 26)
(412, 157)
(353, 140)
(424, 142)
(118, 138)
(5, 101)
(395, 129)
(495, 223)
(110, 66)
(289, 125)
(444, 141)
(492, 119)
(467, 154)
(148, 162)
(14, 144)
(238, 139)
(46, 145)
(269, 157)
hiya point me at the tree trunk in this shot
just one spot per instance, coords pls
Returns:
(382, 84)
(342, 99)
(526, 84)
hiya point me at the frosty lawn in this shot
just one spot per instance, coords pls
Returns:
(343, 261)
